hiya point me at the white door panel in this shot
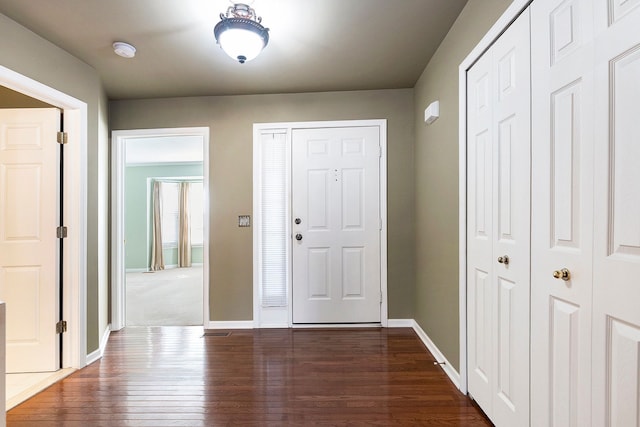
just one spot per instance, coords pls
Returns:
(480, 230)
(616, 265)
(336, 197)
(498, 227)
(562, 206)
(28, 245)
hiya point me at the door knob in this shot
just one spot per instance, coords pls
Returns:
(503, 259)
(298, 221)
(563, 274)
(298, 237)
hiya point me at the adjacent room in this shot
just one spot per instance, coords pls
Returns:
(164, 230)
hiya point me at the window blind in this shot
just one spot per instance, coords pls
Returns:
(273, 221)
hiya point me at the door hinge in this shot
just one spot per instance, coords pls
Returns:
(61, 232)
(61, 327)
(380, 151)
(62, 138)
(380, 297)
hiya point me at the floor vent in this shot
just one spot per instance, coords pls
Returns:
(217, 334)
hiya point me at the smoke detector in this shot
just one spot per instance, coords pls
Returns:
(124, 49)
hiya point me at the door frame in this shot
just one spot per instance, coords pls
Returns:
(509, 15)
(74, 341)
(118, 271)
(282, 317)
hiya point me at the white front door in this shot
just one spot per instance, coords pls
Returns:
(562, 211)
(336, 225)
(29, 183)
(616, 265)
(498, 227)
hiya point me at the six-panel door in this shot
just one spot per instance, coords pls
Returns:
(336, 225)
(28, 245)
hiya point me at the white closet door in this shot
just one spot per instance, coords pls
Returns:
(562, 211)
(616, 286)
(499, 226)
(480, 261)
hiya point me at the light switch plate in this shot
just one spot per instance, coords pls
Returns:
(244, 221)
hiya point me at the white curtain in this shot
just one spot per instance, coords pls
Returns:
(184, 230)
(157, 257)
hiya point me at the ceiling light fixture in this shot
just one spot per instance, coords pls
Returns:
(124, 49)
(240, 33)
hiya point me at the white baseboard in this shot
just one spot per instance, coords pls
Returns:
(272, 326)
(237, 324)
(400, 323)
(96, 355)
(453, 375)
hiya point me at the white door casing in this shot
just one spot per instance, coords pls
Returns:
(498, 227)
(29, 197)
(336, 245)
(616, 262)
(118, 163)
(562, 211)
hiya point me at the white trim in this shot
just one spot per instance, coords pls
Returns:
(232, 324)
(401, 323)
(496, 30)
(97, 354)
(74, 343)
(335, 325)
(118, 141)
(453, 375)
(287, 128)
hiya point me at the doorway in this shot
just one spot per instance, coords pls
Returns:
(336, 281)
(26, 92)
(160, 268)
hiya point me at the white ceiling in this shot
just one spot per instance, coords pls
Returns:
(315, 45)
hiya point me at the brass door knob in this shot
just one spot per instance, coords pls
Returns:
(563, 274)
(503, 259)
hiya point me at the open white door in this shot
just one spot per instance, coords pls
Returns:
(336, 225)
(29, 184)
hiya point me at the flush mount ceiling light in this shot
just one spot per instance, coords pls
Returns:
(124, 49)
(240, 33)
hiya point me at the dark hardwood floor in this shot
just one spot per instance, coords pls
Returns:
(175, 376)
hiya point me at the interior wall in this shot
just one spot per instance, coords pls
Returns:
(436, 165)
(138, 218)
(231, 119)
(26, 53)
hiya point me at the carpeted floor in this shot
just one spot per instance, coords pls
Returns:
(170, 297)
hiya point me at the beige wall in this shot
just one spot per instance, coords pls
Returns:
(436, 164)
(26, 53)
(231, 120)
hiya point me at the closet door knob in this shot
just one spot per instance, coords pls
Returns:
(563, 274)
(503, 259)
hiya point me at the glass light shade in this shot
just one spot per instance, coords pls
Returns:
(241, 44)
